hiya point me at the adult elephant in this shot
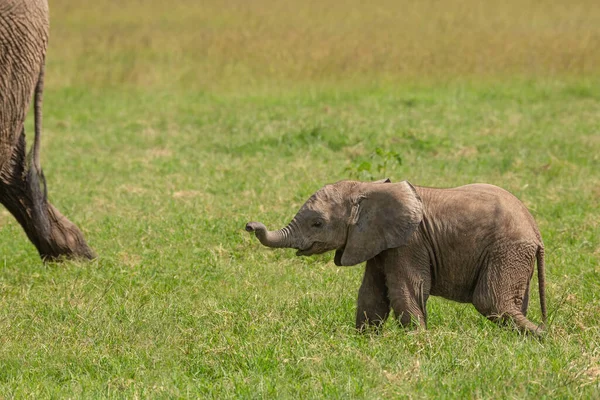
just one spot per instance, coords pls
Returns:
(23, 42)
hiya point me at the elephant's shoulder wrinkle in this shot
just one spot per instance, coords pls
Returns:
(426, 236)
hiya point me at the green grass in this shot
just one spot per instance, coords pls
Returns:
(182, 302)
(162, 176)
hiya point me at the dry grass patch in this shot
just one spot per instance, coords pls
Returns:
(234, 43)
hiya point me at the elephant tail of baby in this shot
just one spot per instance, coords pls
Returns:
(542, 281)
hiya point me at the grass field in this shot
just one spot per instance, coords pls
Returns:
(168, 127)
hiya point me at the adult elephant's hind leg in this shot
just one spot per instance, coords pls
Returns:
(23, 42)
(502, 292)
(22, 192)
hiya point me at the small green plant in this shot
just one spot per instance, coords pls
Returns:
(375, 166)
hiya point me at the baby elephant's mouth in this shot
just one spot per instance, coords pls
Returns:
(304, 252)
(315, 248)
(337, 259)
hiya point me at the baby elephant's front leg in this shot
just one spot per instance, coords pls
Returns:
(408, 301)
(373, 302)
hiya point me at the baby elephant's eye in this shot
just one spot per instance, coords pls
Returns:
(317, 224)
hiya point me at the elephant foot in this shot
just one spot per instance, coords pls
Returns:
(519, 322)
(23, 193)
(54, 236)
(63, 240)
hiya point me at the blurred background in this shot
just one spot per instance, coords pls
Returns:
(238, 44)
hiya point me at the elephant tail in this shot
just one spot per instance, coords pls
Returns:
(36, 180)
(35, 151)
(542, 281)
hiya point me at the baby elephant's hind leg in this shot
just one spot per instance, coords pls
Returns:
(501, 293)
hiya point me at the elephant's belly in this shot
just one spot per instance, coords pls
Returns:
(454, 278)
(456, 293)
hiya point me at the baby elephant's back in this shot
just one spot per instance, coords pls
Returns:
(500, 209)
(480, 210)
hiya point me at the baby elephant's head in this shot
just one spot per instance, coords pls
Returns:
(357, 219)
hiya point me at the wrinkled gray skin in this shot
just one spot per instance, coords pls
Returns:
(23, 42)
(472, 244)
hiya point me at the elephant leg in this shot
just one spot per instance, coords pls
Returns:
(373, 303)
(408, 277)
(502, 291)
(22, 192)
(409, 303)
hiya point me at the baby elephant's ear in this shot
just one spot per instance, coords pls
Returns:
(384, 217)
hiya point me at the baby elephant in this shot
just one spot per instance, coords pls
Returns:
(472, 244)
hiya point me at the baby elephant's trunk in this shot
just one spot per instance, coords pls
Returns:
(280, 238)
